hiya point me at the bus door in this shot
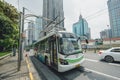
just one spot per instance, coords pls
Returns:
(53, 52)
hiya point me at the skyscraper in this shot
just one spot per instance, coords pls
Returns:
(31, 34)
(114, 16)
(38, 28)
(52, 9)
(81, 28)
(106, 33)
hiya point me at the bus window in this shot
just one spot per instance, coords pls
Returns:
(69, 44)
(46, 46)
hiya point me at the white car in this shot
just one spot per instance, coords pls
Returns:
(110, 55)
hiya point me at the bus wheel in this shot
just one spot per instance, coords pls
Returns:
(81, 69)
(46, 60)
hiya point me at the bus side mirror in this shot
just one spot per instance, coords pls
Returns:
(86, 41)
(78, 38)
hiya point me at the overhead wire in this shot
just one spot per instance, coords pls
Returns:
(96, 14)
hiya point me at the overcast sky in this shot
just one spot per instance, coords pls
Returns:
(94, 11)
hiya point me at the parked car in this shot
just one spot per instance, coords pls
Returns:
(110, 55)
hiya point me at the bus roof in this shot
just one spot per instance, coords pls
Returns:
(50, 34)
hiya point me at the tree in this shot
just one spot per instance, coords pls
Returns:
(8, 26)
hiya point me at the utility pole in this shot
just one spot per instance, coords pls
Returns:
(19, 50)
(22, 41)
(21, 30)
(109, 34)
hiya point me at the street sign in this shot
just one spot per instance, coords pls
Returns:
(23, 35)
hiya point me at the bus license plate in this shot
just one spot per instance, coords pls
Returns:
(78, 65)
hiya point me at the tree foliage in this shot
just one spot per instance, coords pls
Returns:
(8, 26)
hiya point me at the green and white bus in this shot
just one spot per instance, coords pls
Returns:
(60, 50)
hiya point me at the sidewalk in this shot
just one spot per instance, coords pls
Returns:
(8, 69)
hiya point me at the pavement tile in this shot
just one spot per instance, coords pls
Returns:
(8, 69)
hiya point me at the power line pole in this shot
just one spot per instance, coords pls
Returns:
(21, 30)
(109, 31)
(22, 41)
(19, 50)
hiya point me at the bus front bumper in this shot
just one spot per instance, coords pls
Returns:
(63, 68)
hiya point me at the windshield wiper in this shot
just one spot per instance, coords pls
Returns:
(75, 52)
(66, 55)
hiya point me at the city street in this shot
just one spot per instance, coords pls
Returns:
(94, 69)
(59, 40)
(110, 70)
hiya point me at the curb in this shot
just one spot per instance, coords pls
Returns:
(33, 74)
(46, 72)
(30, 73)
(5, 56)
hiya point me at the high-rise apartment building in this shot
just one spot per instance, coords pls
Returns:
(81, 28)
(105, 34)
(114, 16)
(51, 10)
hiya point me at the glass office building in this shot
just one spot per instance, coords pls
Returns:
(31, 34)
(51, 10)
(114, 16)
(38, 28)
(81, 28)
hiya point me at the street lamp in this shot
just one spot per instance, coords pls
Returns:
(109, 34)
(23, 17)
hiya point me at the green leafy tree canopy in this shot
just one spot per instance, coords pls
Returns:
(8, 26)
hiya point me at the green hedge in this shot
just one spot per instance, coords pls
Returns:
(4, 53)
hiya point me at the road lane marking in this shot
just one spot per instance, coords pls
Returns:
(30, 73)
(113, 77)
(114, 64)
(31, 76)
(92, 60)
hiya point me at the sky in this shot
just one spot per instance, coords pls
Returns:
(94, 11)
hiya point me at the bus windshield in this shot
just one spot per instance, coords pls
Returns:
(70, 45)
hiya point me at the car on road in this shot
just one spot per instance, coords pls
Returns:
(110, 55)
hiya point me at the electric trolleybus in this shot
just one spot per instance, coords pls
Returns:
(60, 50)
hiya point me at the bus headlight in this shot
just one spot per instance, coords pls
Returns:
(63, 62)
